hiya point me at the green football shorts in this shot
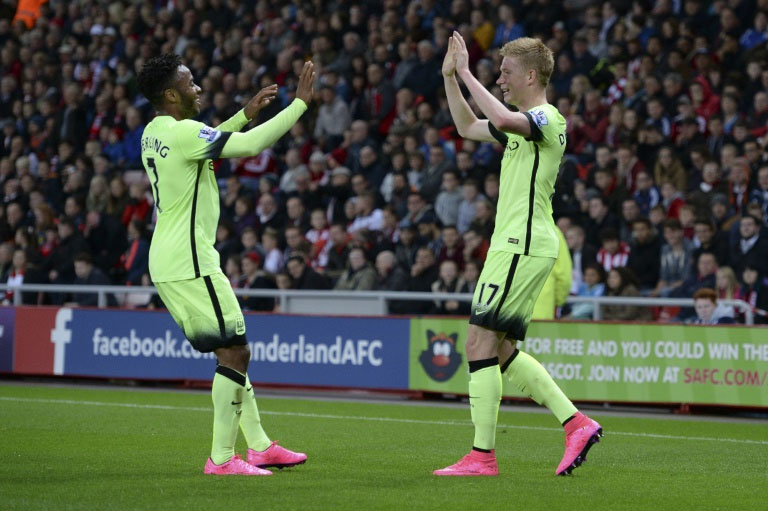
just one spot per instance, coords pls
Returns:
(507, 290)
(206, 310)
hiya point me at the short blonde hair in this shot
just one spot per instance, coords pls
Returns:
(532, 54)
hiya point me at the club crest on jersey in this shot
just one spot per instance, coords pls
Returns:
(208, 134)
(539, 117)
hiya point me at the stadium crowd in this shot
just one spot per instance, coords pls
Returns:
(663, 190)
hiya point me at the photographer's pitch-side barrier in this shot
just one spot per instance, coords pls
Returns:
(641, 363)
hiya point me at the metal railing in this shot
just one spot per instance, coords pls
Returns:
(358, 302)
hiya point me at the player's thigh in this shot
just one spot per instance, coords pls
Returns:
(507, 290)
(206, 310)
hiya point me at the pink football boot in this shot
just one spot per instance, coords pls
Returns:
(275, 456)
(581, 433)
(234, 467)
(475, 463)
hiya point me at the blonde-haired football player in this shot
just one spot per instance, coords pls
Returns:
(523, 249)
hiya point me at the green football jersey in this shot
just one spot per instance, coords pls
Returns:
(529, 168)
(177, 157)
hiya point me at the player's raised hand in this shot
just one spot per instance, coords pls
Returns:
(462, 55)
(263, 98)
(306, 82)
(449, 62)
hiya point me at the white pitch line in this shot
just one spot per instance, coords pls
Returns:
(371, 419)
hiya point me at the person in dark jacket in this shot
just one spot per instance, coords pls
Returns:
(88, 275)
(303, 276)
(255, 278)
(709, 241)
(751, 248)
(423, 273)
(644, 255)
(391, 277)
(450, 281)
(755, 293)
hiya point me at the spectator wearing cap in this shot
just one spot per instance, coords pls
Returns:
(721, 212)
(333, 119)
(256, 278)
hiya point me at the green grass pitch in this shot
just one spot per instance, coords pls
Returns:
(84, 448)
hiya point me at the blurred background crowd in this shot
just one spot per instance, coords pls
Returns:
(663, 190)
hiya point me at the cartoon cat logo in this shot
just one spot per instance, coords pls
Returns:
(440, 360)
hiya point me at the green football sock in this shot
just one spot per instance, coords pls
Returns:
(250, 422)
(528, 375)
(227, 395)
(484, 399)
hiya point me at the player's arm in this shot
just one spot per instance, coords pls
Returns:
(259, 138)
(496, 112)
(262, 99)
(467, 124)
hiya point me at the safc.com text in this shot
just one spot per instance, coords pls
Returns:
(737, 377)
(135, 346)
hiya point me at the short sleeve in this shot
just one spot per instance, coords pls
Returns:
(544, 127)
(200, 142)
(499, 135)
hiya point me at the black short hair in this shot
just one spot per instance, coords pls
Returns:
(157, 75)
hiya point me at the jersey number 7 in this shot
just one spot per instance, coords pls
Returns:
(151, 163)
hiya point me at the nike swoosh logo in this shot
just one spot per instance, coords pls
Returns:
(249, 389)
(237, 403)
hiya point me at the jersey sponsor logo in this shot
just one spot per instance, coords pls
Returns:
(511, 147)
(514, 241)
(440, 360)
(209, 134)
(539, 117)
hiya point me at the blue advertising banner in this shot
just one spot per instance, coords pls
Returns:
(298, 350)
(7, 317)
